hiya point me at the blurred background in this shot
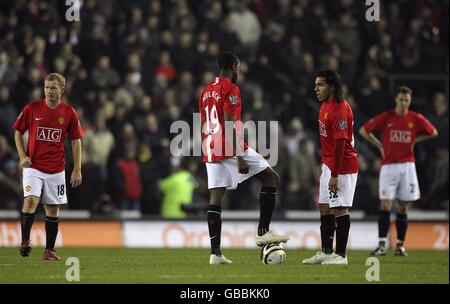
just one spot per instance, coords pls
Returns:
(133, 67)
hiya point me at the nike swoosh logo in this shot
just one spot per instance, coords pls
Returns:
(38, 118)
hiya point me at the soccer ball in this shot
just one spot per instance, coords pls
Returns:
(273, 254)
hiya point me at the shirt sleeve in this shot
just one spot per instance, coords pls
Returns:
(375, 124)
(75, 130)
(339, 124)
(200, 103)
(425, 125)
(22, 122)
(232, 102)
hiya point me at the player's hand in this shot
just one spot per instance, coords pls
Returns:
(333, 184)
(25, 162)
(76, 178)
(242, 165)
(294, 186)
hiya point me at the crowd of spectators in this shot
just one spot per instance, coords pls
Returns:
(134, 67)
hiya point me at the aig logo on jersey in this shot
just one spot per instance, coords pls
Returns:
(49, 134)
(401, 136)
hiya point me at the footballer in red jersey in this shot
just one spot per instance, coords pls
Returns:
(339, 171)
(400, 129)
(46, 123)
(220, 97)
(220, 106)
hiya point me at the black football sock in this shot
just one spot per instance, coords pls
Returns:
(215, 227)
(342, 230)
(384, 220)
(26, 221)
(266, 204)
(402, 225)
(51, 231)
(327, 228)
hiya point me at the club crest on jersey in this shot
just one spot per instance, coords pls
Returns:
(342, 124)
(61, 120)
(232, 99)
(322, 129)
(410, 125)
(27, 188)
(398, 136)
(49, 134)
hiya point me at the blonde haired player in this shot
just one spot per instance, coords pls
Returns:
(48, 122)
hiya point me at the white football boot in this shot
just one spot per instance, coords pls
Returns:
(379, 251)
(270, 237)
(218, 260)
(318, 258)
(335, 259)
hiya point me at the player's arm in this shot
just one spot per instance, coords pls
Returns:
(76, 177)
(425, 137)
(372, 139)
(25, 160)
(339, 126)
(242, 164)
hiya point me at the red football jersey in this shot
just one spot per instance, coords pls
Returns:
(398, 134)
(47, 131)
(336, 122)
(220, 97)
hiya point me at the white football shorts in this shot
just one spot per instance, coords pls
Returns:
(346, 186)
(52, 187)
(399, 181)
(224, 173)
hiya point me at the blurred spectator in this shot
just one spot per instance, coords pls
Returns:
(246, 25)
(10, 185)
(440, 120)
(103, 76)
(185, 57)
(184, 89)
(294, 135)
(128, 92)
(153, 135)
(373, 99)
(348, 39)
(128, 180)
(437, 198)
(165, 66)
(8, 113)
(98, 142)
(151, 168)
(302, 173)
(177, 190)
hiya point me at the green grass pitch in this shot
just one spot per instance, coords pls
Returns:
(190, 266)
